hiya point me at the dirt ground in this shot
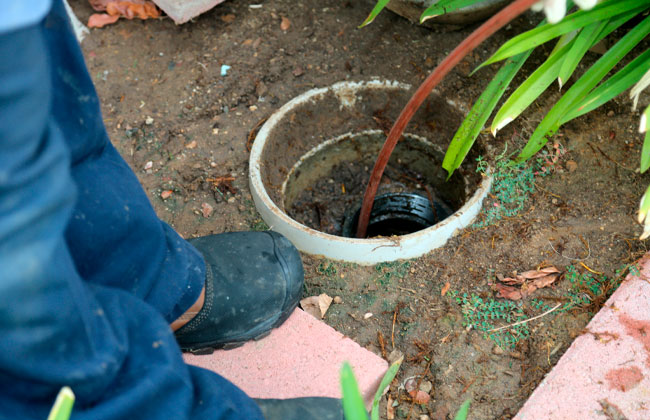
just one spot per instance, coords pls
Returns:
(185, 130)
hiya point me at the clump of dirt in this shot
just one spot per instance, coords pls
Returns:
(178, 122)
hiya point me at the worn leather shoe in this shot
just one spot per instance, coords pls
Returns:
(311, 408)
(253, 283)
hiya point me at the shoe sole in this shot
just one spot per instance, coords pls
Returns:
(209, 348)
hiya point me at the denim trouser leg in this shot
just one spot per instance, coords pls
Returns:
(71, 308)
(114, 236)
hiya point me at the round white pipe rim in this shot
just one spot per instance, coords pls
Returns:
(360, 251)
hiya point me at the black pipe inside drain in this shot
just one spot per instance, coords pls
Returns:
(398, 214)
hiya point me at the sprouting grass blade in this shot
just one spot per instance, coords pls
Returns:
(611, 88)
(582, 86)
(463, 411)
(374, 12)
(62, 408)
(473, 124)
(577, 20)
(583, 41)
(643, 128)
(530, 89)
(445, 6)
(353, 406)
(386, 380)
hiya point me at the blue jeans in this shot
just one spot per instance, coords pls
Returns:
(89, 276)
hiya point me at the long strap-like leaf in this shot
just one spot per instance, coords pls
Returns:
(579, 90)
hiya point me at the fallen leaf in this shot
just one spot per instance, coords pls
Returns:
(445, 289)
(206, 209)
(546, 280)
(533, 274)
(390, 410)
(285, 24)
(166, 194)
(229, 18)
(508, 292)
(99, 20)
(419, 397)
(316, 306)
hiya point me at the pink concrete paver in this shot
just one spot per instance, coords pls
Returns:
(607, 369)
(301, 358)
(183, 10)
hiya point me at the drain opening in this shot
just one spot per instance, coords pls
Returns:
(398, 214)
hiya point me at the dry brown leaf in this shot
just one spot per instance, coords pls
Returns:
(516, 280)
(445, 289)
(206, 209)
(533, 274)
(546, 280)
(285, 23)
(508, 292)
(99, 20)
(316, 306)
(419, 397)
(390, 410)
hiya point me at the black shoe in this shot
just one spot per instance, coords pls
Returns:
(253, 283)
(312, 408)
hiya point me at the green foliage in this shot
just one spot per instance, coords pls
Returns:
(327, 269)
(386, 380)
(353, 406)
(445, 6)
(463, 411)
(482, 315)
(388, 270)
(62, 408)
(511, 187)
(577, 33)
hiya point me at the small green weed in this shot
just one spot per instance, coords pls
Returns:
(252, 216)
(327, 269)
(388, 270)
(511, 187)
(481, 314)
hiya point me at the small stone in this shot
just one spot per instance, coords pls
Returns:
(166, 194)
(338, 300)
(367, 315)
(424, 417)
(426, 386)
(191, 145)
(610, 113)
(148, 165)
(148, 121)
(298, 71)
(253, 107)
(497, 350)
(285, 23)
(231, 200)
(554, 200)
(410, 384)
(571, 165)
(206, 210)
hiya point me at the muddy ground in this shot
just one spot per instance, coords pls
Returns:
(185, 130)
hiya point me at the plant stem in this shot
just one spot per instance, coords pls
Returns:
(483, 32)
(527, 320)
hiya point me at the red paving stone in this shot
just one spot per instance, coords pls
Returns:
(301, 358)
(605, 374)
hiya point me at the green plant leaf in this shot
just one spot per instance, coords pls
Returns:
(374, 12)
(472, 125)
(62, 408)
(582, 86)
(463, 411)
(639, 87)
(445, 6)
(387, 379)
(353, 406)
(583, 41)
(611, 88)
(534, 37)
(530, 89)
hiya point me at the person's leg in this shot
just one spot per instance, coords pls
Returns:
(116, 352)
(115, 237)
